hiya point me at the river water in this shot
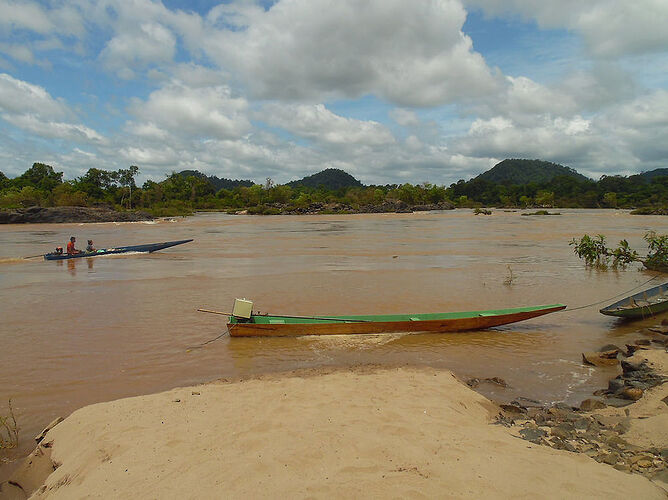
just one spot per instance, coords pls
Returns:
(88, 330)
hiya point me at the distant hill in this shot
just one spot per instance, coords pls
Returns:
(516, 171)
(331, 178)
(648, 176)
(215, 181)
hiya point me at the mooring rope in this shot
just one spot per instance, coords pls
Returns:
(199, 346)
(610, 298)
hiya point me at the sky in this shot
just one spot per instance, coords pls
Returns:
(390, 91)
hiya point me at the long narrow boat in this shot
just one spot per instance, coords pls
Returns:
(640, 305)
(276, 325)
(150, 247)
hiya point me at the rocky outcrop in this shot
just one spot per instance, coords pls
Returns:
(69, 214)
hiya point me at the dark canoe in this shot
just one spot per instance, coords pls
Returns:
(150, 247)
(280, 326)
(640, 305)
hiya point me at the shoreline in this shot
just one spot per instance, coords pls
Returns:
(338, 432)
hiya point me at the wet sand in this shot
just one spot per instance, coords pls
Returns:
(373, 432)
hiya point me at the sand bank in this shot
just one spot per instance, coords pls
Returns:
(383, 433)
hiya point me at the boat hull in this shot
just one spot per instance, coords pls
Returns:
(641, 305)
(271, 326)
(148, 248)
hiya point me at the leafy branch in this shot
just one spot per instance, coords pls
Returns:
(596, 254)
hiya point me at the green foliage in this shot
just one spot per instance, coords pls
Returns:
(39, 176)
(190, 190)
(330, 178)
(623, 255)
(592, 250)
(596, 254)
(657, 256)
(517, 171)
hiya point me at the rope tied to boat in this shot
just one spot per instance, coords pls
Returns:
(610, 298)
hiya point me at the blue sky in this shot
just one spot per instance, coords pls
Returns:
(388, 90)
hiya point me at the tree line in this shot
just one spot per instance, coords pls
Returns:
(180, 194)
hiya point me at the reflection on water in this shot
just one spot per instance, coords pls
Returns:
(96, 329)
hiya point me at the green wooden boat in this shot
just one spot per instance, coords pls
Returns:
(641, 305)
(279, 325)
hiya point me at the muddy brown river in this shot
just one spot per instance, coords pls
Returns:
(78, 332)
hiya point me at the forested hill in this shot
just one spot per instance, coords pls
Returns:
(520, 172)
(331, 178)
(648, 176)
(217, 182)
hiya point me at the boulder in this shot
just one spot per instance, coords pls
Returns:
(592, 404)
(606, 358)
(633, 393)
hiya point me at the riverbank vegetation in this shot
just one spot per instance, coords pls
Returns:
(330, 191)
(595, 252)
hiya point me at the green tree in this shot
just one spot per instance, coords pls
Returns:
(39, 176)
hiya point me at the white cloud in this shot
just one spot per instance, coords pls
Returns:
(193, 111)
(319, 124)
(404, 117)
(610, 28)
(27, 15)
(150, 43)
(409, 53)
(18, 96)
(55, 130)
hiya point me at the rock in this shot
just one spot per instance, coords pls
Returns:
(642, 342)
(633, 393)
(533, 434)
(665, 400)
(614, 441)
(661, 475)
(633, 366)
(591, 404)
(610, 458)
(623, 426)
(607, 358)
(663, 330)
(631, 348)
(514, 410)
(581, 424)
(618, 402)
(497, 380)
(560, 405)
(562, 431)
(41, 435)
(473, 382)
(615, 385)
(69, 214)
(609, 347)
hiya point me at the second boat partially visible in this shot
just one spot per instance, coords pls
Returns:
(640, 305)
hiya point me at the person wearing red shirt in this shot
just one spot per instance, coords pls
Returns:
(70, 246)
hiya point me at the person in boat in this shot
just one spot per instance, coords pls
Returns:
(90, 247)
(71, 249)
(59, 251)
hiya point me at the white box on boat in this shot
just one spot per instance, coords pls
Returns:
(242, 308)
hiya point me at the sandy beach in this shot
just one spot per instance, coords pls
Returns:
(367, 432)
